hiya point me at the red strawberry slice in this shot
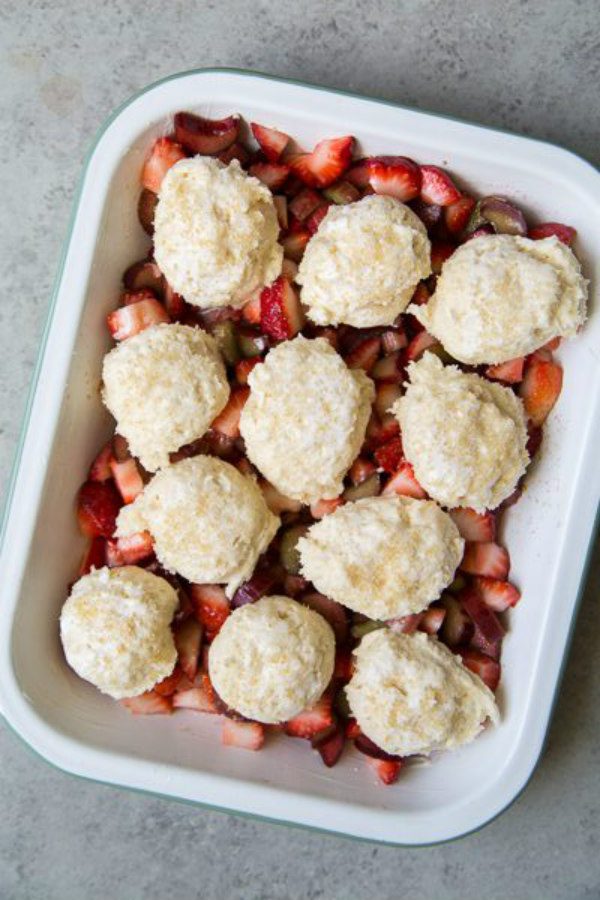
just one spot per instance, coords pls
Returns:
(312, 721)
(420, 343)
(170, 684)
(295, 241)
(98, 506)
(100, 469)
(164, 154)
(206, 136)
(395, 176)
(94, 557)
(540, 388)
(498, 595)
(474, 526)
(314, 220)
(484, 619)
(458, 213)
(487, 669)
(387, 770)
(564, 233)
(327, 162)
(321, 508)
(487, 559)
(332, 611)
(148, 704)
(432, 619)
(211, 607)
(244, 367)
(127, 478)
(271, 174)
(389, 456)
(144, 275)
(364, 354)
(405, 624)
(228, 420)
(437, 187)
(352, 729)
(196, 698)
(331, 745)
(358, 175)
(305, 203)
(188, 638)
(440, 252)
(129, 550)
(281, 314)
(243, 735)
(386, 395)
(271, 141)
(360, 470)
(380, 431)
(510, 372)
(130, 320)
(480, 642)
(404, 483)
(251, 310)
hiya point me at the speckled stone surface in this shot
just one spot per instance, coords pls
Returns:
(529, 67)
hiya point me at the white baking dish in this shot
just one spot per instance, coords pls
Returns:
(548, 532)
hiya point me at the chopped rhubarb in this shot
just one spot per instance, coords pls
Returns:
(330, 745)
(130, 320)
(484, 619)
(344, 664)
(332, 611)
(272, 142)
(474, 526)
(510, 372)
(309, 723)
(244, 367)
(440, 252)
(364, 354)
(457, 627)
(360, 470)
(228, 420)
(327, 162)
(188, 638)
(437, 187)
(393, 339)
(243, 735)
(281, 314)
(386, 395)
(128, 478)
(405, 624)
(305, 203)
(98, 506)
(164, 154)
(487, 559)
(148, 704)
(487, 669)
(94, 557)
(234, 151)
(564, 233)
(505, 217)
(404, 483)
(389, 368)
(498, 595)
(272, 174)
(281, 207)
(420, 343)
(294, 243)
(253, 589)
(276, 501)
(144, 275)
(341, 193)
(540, 388)
(206, 136)
(396, 176)
(211, 607)
(146, 207)
(321, 508)
(314, 220)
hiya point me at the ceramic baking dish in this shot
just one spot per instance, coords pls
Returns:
(548, 533)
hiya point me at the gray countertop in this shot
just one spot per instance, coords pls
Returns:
(529, 67)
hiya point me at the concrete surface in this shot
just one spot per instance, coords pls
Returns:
(531, 67)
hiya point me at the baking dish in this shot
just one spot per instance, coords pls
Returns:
(548, 532)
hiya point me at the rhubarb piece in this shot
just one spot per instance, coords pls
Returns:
(368, 488)
(360, 470)
(281, 206)
(564, 233)
(205, 136)
(144, 275)
(420, 343)
(145, 210)
(258, 586)
(305, 203)
(488, 669)
(188, 638)
(440, 252)
(364, 355)
(252, 343)
(341, 193)
(503, 215)
(333, 612)
(385, 396)
(457, 627)
(225, 335)
(321, 508)
(288, 548)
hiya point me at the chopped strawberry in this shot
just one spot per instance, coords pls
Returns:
(251, 310)
(437, 187)
(498, 595)
(206, 136)
(360, 470)
(430, 214)
(148, 704)
(211, 606)
(294, 243)
(380, 431)
(364, 354)
(174, 303)
(127, 478)
(396, 176)
(144, 275)
(352, 729)
(244, 367)
(389, 456)
(487, 559)
(564, 233)
(432, 619)
(188, 638)
(196, 698)
(458, 213)
(170, 684)
(510, 372)
(164, 154)
(234, 151)
(365, 745)
(98, 506)
(344, 665)
(487, 669)
(289, 269)
(330, 746)
(540, 388)
(330, 334)
(281, 207)
(474, 526)
(305, 203)
(271, 141)
(321, 508)
(294, 585)
(332, 611)
(420, 343)
(484, 619)
(277, 502)
(310, 722)
(281, 314)
(256, 587)
(387, 770)
(94, 557)
(129, 550)
(131, 297)
(552, 345)
(479, 641)
(228, 420)
(358, 175)
(243, 735)
(100, 469)
(421, 295)
(130, 320)
(327, 162)
(457, 627)
(314, 220)
(440, 252)
(404, 483)
(386, 395)
(271, 174)
(405, 624)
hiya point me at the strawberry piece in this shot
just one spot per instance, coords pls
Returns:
(168, 686)
(498, 595)
(484, 619)
(552, 345)
(420, 343)
(281, 207)
(94, 557)
(148, 704)
(474, 526)
(396, 176)
(360, 470)
(364, 355)
(127, 478)
(440, 252)
(330, 746)
(289, 269)
(129, 550)
(314, 220)
(432, 619)
(405, 624)
(281, 315)
(244, 367)
(486, 558)
(130, 320)
(540, 388)
(510, 372)
(276, 501)
(535, 436)
(131, 297)
(358, 175)
(321, 508)
(344, 665)
(243, 735)
(380, 431)
(386, 395)
(174, 302)
(188, 638)
(458, 213)
(145, 210)
(206, 136)
(272, 174)
(100, 469)
(352, 729)
(332, 611)
(389, 456)
(228, 420)
(404, 483)
(564, 233)
(164, 154)
(457, 627)
(487, 669)
(271, 141)
(387, 770)
(330, 334)
(294, 585)
(421, 295)
(430, 214)
(211, 606)
(305, 203)
(98, 506)
(144, 275)
(196, 698)
(327, 162)
(251, 310)
(294, 243)
(255, 588)
(437, 187)
(312, 721)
